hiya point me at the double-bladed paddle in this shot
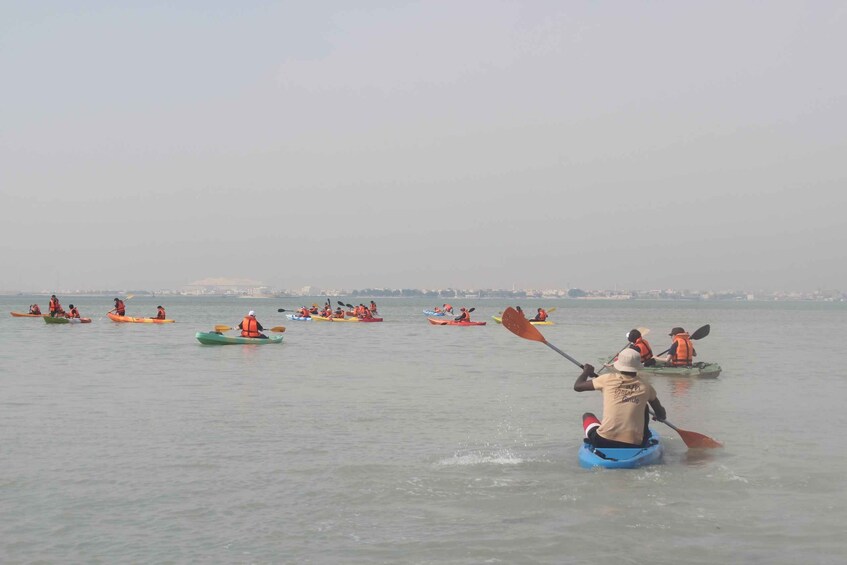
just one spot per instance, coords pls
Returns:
(277, 329)
(521, 327)
(457, 318)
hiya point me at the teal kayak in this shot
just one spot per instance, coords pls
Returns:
(214, 338)
(622, 457)
(697, 370)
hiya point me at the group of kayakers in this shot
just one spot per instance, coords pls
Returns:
(680, 354)
(625, 396)
(540, 316)
(361, 311)
(55, 310)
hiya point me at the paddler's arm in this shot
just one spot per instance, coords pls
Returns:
(582, 384)
(658, 410)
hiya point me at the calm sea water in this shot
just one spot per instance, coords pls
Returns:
(406, 442)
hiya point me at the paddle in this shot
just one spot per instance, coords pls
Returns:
(699, 334)
(277, 329)
(128, 297)
(521, 327)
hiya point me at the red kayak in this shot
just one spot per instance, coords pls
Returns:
(26, 315)
(443, 322)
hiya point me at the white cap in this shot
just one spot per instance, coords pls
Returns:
(251, 313)
(629, 361)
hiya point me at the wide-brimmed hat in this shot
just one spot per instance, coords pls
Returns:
(628, 361)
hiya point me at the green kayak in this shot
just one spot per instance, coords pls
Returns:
(697, 370)
(214, 338)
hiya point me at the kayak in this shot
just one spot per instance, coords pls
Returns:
(499, 320)
(130, 319)
(50, 320)
(298, 318)
(434, 313)
(214, 338)
(453, 323)
(697, 370)
(323, 319)
(27, 315)
(622, 457)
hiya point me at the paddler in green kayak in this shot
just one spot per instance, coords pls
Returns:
(250, 326)
(681, 352)
(640, 344)
(625, 400)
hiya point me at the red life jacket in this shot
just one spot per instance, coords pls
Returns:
(448, 308)
(250, 327)
(542, 315)
(684, 350)
(643, 348)
(465, 317)
(161, 314)
(373, 306)
(54, 305)
(35, 309)
(120, 308)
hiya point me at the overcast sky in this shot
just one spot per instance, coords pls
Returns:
(424, 144)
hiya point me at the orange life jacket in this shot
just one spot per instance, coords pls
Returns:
(684, 350)
(54, 305)
(448, 308)
(366, 313)
(437, 310)
(542, 315)
(161, 314)
(250, 327)
(643, 348)
(74, 313)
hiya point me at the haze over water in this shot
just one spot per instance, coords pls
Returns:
(406, 442)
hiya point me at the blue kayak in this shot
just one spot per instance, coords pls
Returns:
(622, 457)
(296, 318)
(434, 313)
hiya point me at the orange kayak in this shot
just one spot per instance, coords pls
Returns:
(131, 320)
(22, 315)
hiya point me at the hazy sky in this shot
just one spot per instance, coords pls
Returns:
(423, 144)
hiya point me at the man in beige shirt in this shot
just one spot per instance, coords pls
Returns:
(625, 400)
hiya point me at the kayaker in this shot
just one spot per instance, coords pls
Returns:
(541, 316)
(54, 307)
(339, 313)
(304, 312)
(373, 307)
(681, 352)
(120, 308)
(625, 399)
(314, 309)
(437, 310)
(160, 313)
(72, 312)
(640, 344)
(250, 326)
(465, 316)
(34, 309)
(447, 309)
(366, 313)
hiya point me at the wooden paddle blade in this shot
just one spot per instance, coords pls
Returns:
(698, 441)
(644, 331)
(222, 328)
(277, 329)
(551, 310)
(520, 326)
(701, 332)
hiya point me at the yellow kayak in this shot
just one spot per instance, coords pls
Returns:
(131, 320)
(499, 320)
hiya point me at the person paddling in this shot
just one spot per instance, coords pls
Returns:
(250, 326)
(625, 399)
(640, 344)
(54, 307)
(447, 309)
(540, 316)
(34, 309)
(373, 307)
(72, 312)
(465, 315)
(160, 313)
(120, 308)
(681, 352)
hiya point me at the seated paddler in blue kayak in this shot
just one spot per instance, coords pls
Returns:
(625, 404)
